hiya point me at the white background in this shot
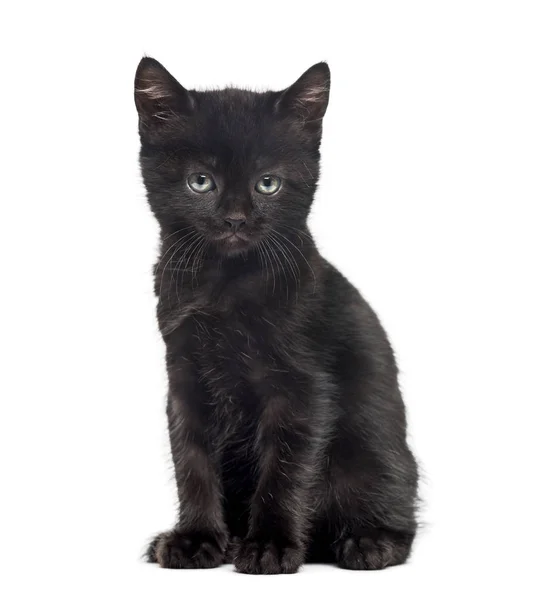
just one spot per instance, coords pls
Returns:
(425, 203)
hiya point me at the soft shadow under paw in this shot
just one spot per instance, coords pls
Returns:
(376, 550)
(257, 557)
(191, 550)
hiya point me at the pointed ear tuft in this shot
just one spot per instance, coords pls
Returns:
(159, 98)
(307, 98)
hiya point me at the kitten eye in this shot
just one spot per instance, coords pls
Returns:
(268, 184)
(201, 183)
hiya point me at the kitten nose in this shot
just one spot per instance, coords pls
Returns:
(235, 224)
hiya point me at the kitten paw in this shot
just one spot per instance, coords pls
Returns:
(260, 557)
(191, 550)
(375, 550)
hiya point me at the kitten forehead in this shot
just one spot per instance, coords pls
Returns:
(241, 122)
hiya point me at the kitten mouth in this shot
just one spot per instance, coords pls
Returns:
(234, 238)
(231, 243)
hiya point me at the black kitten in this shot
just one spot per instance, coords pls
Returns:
(286, 422)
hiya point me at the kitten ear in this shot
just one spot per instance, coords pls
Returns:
(307, 98)
(159, 97)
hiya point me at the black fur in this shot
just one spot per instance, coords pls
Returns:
(286, 422)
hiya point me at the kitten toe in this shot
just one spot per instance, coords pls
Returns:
(256, 557)
(191, 550)
(373, 551)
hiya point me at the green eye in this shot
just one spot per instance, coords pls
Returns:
(268, 184)
(201, 183)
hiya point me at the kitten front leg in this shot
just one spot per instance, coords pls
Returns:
(280, 507)
(200, 538)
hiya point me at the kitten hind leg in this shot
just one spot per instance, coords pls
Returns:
(368, 517)
(372, 549)
(360, 549)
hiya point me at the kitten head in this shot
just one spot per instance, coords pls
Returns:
(233, 165)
